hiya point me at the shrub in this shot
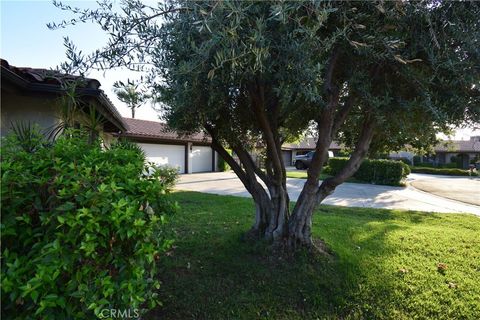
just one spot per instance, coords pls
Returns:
(167, 175)
(406, 170)
(222, 164)
(439, 171)
(327, 169)
(427, 165)
(406, 161)
(475, 159)
(417, 160)
(386, 172)
(449, 165)
(82, 228)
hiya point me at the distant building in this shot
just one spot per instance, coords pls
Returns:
(291, 150)
(31, 95)
(461, 152)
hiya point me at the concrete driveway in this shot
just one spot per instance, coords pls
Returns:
(347, 194)
(463, 189)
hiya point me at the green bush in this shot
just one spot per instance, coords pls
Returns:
(406, 170)
(167, 175)
(452, 165)
(378, 171)
(82, 228)
(222, 164)
(417, 160)
(326, 169)
(440, 171)
(404, 160)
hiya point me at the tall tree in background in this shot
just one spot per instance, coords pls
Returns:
(131, 93)
(375, 75)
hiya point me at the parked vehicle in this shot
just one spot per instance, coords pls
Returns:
(303, 161)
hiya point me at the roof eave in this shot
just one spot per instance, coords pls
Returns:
(111, 112)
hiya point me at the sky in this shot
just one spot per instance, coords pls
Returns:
(27, 42)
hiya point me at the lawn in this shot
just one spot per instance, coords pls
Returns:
(385, 266)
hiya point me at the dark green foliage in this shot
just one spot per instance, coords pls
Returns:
(385, 172)
(28, 136)
(404, 160)
(417, 160)
(372, 75)
(82, 229)
(442, 171)
(125, 144)
(222, 164)
(167, 176)
(453, 164)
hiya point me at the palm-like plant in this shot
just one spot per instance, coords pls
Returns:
(131, 93)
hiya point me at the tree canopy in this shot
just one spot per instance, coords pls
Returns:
(373, 75)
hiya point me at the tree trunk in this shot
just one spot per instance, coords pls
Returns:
(133, 113)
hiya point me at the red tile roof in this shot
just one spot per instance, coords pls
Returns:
(46, 76)
(137, 128)
(45, 80)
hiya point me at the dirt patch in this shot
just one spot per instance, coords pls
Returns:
(464, 190)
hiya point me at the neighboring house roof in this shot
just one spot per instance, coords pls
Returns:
(472, 145)
(308, 144)
(50, 81)
(153, 130)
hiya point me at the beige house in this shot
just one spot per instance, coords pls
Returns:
(460, 152)
(189, 154)
(33, 95)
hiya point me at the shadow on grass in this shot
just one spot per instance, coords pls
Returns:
(212, 274)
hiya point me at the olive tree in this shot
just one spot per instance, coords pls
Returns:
(373, 75)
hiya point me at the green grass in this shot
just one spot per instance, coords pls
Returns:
(385, 266)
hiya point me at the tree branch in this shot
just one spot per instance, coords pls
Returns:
(360, 152)
(342, 114)
(273, 150)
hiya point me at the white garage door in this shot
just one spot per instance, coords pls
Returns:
(201, 158)
(165, 154)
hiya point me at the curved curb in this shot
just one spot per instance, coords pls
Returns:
(411, 187)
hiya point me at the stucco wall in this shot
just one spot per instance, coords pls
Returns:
(34, 109)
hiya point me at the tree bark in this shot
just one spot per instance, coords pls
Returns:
(299, 233)
(268, 188)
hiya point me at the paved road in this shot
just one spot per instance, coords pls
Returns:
(464, 189)
(347, 194)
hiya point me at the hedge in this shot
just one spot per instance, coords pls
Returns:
(384, 172)
(452, 165)
(222, 164)
(445, 172)
(82, 228)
